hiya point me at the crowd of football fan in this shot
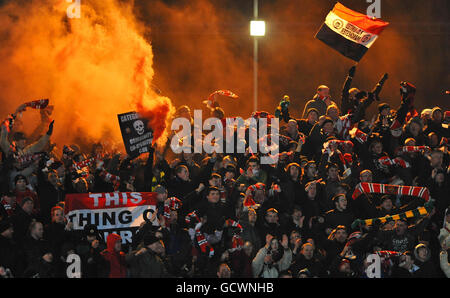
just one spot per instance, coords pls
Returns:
(345, 193)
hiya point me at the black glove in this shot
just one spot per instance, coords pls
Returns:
(50, 128)
(351, 71)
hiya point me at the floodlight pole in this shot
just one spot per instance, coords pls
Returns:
(255, 60)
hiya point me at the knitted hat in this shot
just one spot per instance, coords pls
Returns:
(230, 168)
(90, 230)
(160, 189)
(18, 177)
(312, 110)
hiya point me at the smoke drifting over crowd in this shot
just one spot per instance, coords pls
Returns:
(204, 45)
(91, 68)
(103, 64)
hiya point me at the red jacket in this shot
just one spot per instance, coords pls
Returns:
(116, 260)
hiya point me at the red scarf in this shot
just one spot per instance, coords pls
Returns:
(366, 187)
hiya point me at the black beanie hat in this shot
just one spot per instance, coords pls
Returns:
(18, 177)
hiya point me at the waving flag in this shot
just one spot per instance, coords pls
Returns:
(349, 32)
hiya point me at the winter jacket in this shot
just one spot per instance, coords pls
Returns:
(116, 260)
(318, 104)
(146, 265)
(270, 271)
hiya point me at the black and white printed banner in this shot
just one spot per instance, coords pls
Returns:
(136, 134)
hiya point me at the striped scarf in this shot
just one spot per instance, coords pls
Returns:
(26, 159)
(415, 213)
(236, 242)
(366, 187)
(171, 203)
(82, 164)
(388, 253)
(249, 201)
(108, 177)
(9, 122)
(344, 125)
(204, 245)
(385, 160)
(192, 218)
(326, 145)
(415, 149)
(358, 135)
(38, 104)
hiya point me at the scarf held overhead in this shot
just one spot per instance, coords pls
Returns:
(366, 187)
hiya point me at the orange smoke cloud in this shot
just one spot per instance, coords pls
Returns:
(92, 68)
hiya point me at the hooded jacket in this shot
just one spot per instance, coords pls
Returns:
(116, 260)
(426, 267)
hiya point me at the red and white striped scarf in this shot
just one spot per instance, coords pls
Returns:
(343, 126)
(385, 160)
(415, 149)
(388, 253)
(192, 218)
(358, 135)
(171, 203)
(236, 242)
(25, 160)
(108, 177)
(38, 104)
(83, 164)
(366, 187)
(249, 202)
(326, 145)
(204, 245)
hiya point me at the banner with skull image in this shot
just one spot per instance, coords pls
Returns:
(136, 134)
